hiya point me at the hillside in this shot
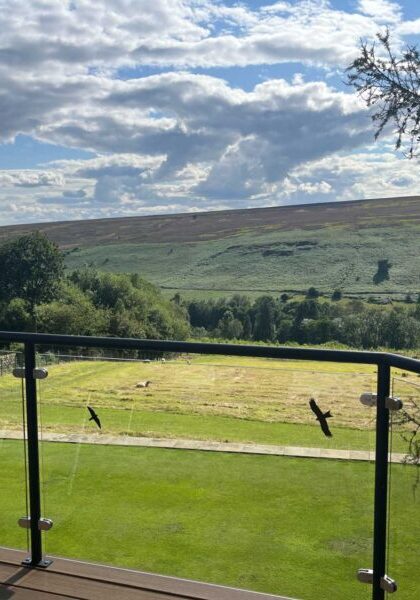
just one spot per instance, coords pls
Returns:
(329, 245)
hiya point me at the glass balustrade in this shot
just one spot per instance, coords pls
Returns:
(404, 488)
(223, 469)
(212, 468)
(13, 456)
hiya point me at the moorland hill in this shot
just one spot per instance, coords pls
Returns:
(334, 245)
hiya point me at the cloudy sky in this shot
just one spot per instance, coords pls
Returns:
(136, 107)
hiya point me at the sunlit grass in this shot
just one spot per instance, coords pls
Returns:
(298, 527)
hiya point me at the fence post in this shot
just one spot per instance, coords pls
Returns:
(381, 481)
(35, 559)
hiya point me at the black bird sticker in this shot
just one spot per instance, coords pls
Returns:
(321, 417)
(94, 416)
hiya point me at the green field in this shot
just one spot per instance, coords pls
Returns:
(299, 527)
(209, 398)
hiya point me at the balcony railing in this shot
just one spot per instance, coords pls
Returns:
(380, 398)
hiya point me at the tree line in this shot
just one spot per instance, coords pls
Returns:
(37, 295)
(312, 320)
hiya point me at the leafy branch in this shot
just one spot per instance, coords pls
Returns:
(410, 420)
(392, 85)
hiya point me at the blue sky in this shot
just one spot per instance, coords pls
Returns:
(127, 108)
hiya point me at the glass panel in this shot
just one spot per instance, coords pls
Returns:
(13, 491)
(404, 488)
(215, 470)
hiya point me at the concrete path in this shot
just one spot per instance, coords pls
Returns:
(182, 444)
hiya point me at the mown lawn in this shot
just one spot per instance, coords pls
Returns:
(210, 398)
(298, 527)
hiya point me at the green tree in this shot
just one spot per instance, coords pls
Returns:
(30, 268)
(284, 330)
(321, 331)
(307, 309)
(229, 327)
(265, 319)
(14, 316)
(365, 330)
(239, 305)
(247, 325)
(72, 313)
(136, 308)
(401, 330)
(312, 293)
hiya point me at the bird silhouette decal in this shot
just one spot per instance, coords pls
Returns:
(94, 416)
(321, 417)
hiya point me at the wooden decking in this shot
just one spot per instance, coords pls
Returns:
(67, 579)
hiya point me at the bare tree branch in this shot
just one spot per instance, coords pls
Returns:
(392, 86)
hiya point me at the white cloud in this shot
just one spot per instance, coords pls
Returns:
(240, 141)
(289, 187)
(31, 179)
(186, 33)
(366, 174)
(343, 176)
(57, 61)
(409, 27)
(383, 11)
(178, 140)
(210, 144)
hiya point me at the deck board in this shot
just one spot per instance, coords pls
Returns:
(13, 593)
(69, 579)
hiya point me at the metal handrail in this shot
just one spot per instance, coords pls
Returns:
(286, 352)
(383, 360)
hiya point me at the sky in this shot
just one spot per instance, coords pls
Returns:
(131, 107)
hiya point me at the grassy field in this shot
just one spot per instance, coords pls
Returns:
(210, 398)
(335, 257)
(299, 527)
